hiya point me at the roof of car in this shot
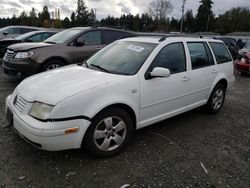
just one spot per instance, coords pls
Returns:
(101, 28)
(21, 26)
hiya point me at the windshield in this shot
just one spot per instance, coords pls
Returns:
(124, 57)
(63, 36)
(25, 36)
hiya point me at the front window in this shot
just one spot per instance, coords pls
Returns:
(121, 57)
(171, 57)
(63, 36)
(25, 36)
(92, 37)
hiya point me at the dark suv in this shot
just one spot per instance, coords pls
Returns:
(231, 43)
(67, 47)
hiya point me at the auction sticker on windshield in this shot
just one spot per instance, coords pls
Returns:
(135, 48)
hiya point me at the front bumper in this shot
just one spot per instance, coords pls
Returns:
(20, 67)
(47, 135)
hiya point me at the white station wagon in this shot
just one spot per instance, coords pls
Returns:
(128, 85)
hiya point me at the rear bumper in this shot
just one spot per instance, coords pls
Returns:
(47, 135)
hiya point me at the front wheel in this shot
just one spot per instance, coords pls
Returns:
(53, 64)
(109, 133)
(216, 99)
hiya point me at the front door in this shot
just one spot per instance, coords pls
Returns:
(93, 43)
(161, 98)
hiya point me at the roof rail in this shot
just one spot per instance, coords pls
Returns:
(174, 35)
(181, 35)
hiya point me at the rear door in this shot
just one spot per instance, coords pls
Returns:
(164, 97)
(202, 74)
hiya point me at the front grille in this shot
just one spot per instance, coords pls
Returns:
(9, 54)
(20, 103)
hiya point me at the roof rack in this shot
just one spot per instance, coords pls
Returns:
(180, 35)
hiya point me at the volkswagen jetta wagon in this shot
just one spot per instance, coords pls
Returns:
(128, 85)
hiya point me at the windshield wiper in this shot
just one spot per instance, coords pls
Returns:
(49, 42)
(99, 67)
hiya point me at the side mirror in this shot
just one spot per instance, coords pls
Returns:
(160, 72)
(80, 42)
(5, 33)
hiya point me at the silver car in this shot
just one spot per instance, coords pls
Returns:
(14, 31)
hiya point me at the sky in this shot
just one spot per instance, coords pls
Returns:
(110, 7)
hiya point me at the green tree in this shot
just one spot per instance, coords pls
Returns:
(73, 19)
(24, 19)
(174, 25)
(83, 17)
(189, 21)
(205, 17)
(66, 23)
(236, 19)
(33, 17)
(44, 17)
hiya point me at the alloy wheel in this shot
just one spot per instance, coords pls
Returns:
(110, 133)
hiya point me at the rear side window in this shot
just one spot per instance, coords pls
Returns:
(172, 57)
(200, 55)
(221, 53)
(111, 36)
(13, 30)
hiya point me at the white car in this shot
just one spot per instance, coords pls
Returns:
(128, 85)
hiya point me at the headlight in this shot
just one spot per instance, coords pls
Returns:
(23, 55)
(40, 111)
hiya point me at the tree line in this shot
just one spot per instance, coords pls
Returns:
(155, 19)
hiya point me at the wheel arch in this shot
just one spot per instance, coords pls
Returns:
(123, 106)
(54, 58)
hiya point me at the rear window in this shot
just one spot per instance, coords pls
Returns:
(111, 36)
(221, 53)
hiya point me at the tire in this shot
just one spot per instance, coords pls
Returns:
(109, 132)
(53, 64)
(244, 73)
(216, 99)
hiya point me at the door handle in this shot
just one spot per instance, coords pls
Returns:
(185, 78)
(98, 48)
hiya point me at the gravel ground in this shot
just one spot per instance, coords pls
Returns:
(191, 150)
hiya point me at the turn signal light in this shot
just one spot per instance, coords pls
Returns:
(71, 130)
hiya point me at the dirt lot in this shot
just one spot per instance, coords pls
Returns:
(167, 154)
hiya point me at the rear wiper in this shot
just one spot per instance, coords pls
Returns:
(99, 67)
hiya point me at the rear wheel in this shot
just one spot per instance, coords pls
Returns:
(109, 132)
(53, 64)
(216, 99)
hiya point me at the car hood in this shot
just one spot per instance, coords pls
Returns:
(8, 40)
(28, 46)
(53, 86)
